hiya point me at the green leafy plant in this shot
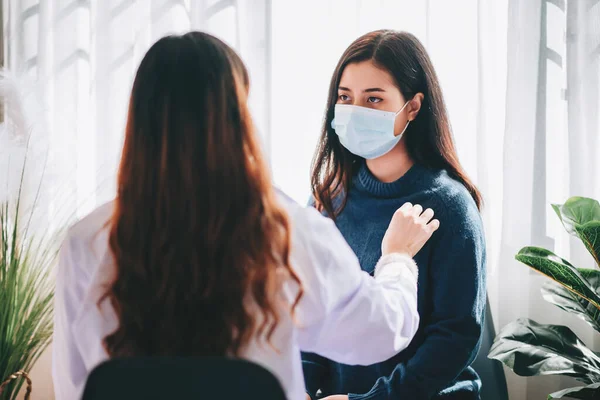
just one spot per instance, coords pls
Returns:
(529, 348)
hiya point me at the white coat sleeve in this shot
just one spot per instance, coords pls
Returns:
(68, 369)
(345, 314)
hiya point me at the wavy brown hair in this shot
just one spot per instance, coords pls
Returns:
(197, 235)
(429, 137)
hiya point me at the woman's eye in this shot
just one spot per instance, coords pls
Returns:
(373, 100)
(344, 97)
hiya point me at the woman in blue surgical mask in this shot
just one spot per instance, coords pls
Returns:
(386, 141)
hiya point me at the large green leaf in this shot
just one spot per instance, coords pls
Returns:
(529, 348)
(590, 392)
(590, 236)
(570, 302)
(560, 296)
(592, 276)
(577, 211)
(560, 270)
(581, 218)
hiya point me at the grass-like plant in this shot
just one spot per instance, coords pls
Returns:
(29, 238)
(26, 293)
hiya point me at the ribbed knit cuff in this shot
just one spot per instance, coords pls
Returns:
(393, 264)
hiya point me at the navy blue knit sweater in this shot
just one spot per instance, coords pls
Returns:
(451, 291)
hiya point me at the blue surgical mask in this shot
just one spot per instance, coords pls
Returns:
(366, 132)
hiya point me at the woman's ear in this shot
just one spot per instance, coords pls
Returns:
(415, 106)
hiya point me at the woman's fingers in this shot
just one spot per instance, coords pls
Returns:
(409, 230)
(417, 210)
(427, 215)
(433, 225)
(406, 207)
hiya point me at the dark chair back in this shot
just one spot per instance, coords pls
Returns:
(181, 378)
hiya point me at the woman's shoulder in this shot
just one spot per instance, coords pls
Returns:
(86, 243)
(452, 201)
(93, 222)
(446, 187)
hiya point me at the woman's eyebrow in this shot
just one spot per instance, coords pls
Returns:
(369, 90)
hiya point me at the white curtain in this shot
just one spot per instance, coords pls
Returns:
(551, 144)
(84, 55)
(521, 79)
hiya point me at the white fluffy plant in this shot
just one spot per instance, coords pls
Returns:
(30, 235)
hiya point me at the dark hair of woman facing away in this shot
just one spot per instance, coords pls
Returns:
(197, 235)
(429, 137)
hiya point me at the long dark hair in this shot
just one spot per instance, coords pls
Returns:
(197, 235)
(428, 138)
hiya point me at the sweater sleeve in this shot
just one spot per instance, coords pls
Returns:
(454, 326)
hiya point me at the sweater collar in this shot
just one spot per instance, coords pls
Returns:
(408, 183)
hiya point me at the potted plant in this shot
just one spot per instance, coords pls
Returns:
(28, 245)
(529, 348)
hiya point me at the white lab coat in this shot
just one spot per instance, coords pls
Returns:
(344, 315)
